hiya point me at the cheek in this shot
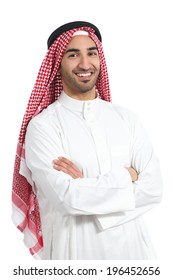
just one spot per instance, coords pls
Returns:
(97, 64)
(67, 66)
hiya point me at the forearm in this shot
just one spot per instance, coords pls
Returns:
(86, 196)
(147, 194)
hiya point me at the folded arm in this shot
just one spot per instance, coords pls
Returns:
(112, 197)
(71, 193)
(68, 167)
(147, 187)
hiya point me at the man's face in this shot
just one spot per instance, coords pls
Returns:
(80, 67)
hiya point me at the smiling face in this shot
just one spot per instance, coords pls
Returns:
(80, 68)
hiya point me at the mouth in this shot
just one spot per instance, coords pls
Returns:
(84, 76)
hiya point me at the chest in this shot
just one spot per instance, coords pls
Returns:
(98, 141)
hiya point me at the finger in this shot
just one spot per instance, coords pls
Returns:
(67, 171)
(61, 166)
(68, 162)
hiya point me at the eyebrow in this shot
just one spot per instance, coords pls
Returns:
(78, 50)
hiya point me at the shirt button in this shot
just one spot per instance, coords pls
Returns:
(88, 105)
(104, 160)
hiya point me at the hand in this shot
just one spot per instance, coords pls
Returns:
(67, 166)
(133, 173)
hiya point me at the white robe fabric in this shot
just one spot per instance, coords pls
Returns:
(98, 217)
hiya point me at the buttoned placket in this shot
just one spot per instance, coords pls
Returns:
(98, 137)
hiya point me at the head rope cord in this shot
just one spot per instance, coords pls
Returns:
(47, 89)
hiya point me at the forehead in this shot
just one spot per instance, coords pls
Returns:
(81, 42)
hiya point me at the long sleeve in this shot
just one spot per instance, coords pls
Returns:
(104, 194)
(148, 187)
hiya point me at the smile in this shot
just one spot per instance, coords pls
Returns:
(83, 74)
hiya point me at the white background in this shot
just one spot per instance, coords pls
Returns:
(138, 45)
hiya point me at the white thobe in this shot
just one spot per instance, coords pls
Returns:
(98, 216)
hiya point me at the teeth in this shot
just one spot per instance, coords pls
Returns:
(84, 74)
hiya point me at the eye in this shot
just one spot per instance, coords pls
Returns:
(72, 55)
(93, 53)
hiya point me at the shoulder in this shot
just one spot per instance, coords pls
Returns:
(45, 119)
(120, 111)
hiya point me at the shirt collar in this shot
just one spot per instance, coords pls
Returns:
(75, 104)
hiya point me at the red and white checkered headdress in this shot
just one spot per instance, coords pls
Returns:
(47, 89)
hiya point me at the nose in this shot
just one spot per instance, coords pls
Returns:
(84, 62)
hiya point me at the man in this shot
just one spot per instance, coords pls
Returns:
(85, 172)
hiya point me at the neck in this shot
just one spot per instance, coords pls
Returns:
(82, 95)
